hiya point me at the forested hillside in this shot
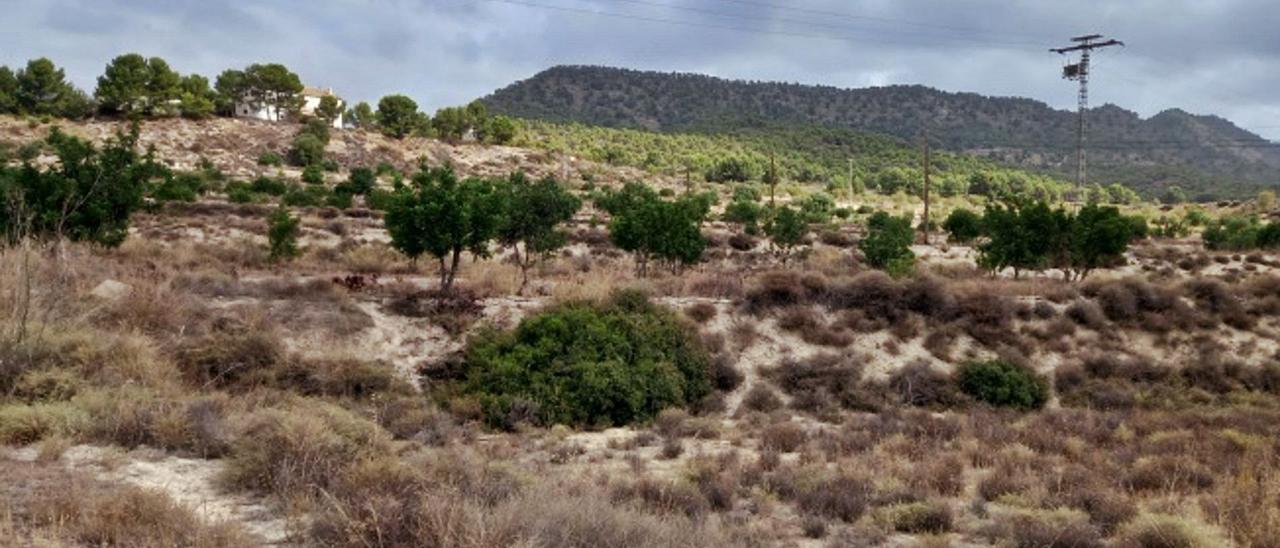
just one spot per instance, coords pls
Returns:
(1203, 155)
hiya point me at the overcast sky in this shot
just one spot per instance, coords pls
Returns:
(1205, 56)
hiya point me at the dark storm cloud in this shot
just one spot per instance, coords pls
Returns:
(1205, 56)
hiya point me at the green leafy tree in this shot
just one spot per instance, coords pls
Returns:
(42, 89)
(501, 130)
(196, 99)
(963, 226)
(887, 245)
(398, 116)
(329, 109)
(1099, 237)
(1023, 238)
(282, 234)
(443, 217)
(655, 229)
(729, 170)
(534, 212)
(269, 86)
(451, 123)
(786, 230)
(362, 116)
(88, 195)
(8, 91)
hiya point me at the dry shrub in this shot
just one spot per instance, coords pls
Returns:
(744, 333)
(1216, 298)
(663, 497)
(299, 449)
(55, 504)
(700, 312)
(415, 417)
(1111, 365)
(919, 517)
(799, 318)
(943, 476)
(919, 384)
(784, 288)
(1003, 481)
(761, 398)
(454, 310)
(843, 497)
(1135, 302)
(873, 292)
(343, 376)
(1087, 314)
(741, 241)
(724, 372)
(1049, 529)
(820, 379)
(987, 317)
(1160, 531)
(784, 437)
(1167, 473)
(237, 357)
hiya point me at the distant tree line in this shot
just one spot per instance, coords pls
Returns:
(138, 87)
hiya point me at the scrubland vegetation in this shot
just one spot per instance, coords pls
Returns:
(391, 353)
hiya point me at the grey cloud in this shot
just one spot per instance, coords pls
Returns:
(1205, 56)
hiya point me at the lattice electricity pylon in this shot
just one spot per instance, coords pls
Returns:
(1080, 72)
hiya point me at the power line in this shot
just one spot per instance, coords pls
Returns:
(756, 30)
(878, 19)
(816, 24)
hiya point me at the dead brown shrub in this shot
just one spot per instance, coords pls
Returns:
(784, 437)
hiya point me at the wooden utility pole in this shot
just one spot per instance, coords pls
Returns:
(773, 182)
(851, 193)
(924, 226)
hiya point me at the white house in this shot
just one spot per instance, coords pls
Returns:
(310, 101)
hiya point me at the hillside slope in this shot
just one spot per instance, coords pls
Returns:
(1205, 155)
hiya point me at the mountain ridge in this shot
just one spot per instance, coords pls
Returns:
(1204, 154)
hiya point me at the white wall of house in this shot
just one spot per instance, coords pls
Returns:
(310, 102)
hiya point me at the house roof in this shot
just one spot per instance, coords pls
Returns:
(309, 91)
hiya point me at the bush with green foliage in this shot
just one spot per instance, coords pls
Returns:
(1035, 237)
(270, 159)
(1240, 232)
(282, 234)
(443, 217)
(267, 185)
(817, 208)
(88, 195)
(963, 226)
(887, 245)
(588, 364)
(313, 174)
(361, 181)
(305, 196)
(183, 187)
(786, 230)
(745, 212)
(1003, 384)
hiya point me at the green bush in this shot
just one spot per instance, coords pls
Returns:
(963, 226)
(270, 159)
(362, 180)
(282, 234)
(888, 243)
(269, 186)
(313, 174)
(583, 363)
(309, 196)
(1003, 384)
